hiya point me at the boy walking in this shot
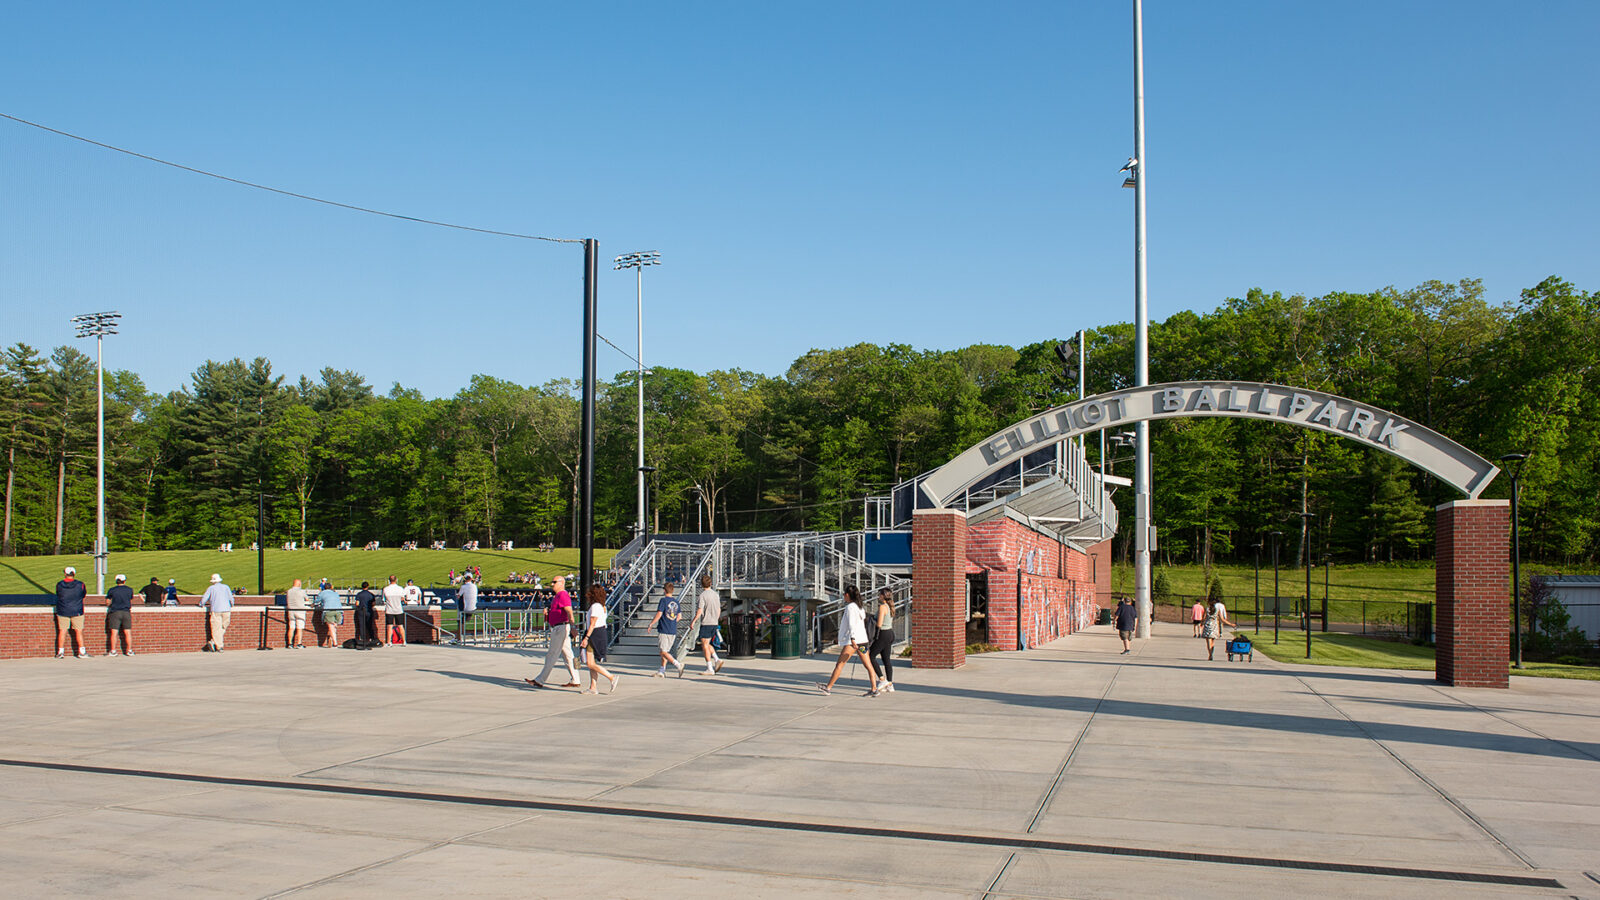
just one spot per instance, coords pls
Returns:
(665, 624)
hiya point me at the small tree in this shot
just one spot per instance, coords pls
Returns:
(1214, 591)
(1161, 589)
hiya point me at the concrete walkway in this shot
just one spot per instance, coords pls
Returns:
(1068, 771)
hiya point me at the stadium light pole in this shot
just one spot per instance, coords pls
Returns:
(97, 326)
(1136, 169)
(637, 261)
(1516, 553)
(1277, 600)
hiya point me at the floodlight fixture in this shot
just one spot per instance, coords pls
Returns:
(98, 325)
(637, 261)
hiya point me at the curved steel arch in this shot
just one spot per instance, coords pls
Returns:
(1421, 446)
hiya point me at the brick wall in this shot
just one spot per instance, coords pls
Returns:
(1058, 593)
(31, 632)
(939, 588)
(1473, 588)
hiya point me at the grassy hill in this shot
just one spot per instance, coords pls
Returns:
(346, 568)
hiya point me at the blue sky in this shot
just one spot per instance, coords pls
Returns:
(814, 174)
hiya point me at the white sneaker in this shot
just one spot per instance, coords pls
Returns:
(112, 653)
(60, 653)
(889, 687)
(82, 653)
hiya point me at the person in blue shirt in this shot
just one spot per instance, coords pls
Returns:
(69, 611)
(332, 607)
(1127, 618)
(218, 601)
(665, 624)
(172, 593)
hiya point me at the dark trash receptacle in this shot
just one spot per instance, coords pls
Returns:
(1104, 618)
(786, 634)
(741, 636)
(1423, 630)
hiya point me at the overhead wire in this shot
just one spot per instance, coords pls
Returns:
(286, 193)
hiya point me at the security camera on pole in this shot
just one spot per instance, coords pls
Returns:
(97, 326)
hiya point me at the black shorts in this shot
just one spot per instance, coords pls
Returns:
(708, 632)
(597, 643)
(119, 619)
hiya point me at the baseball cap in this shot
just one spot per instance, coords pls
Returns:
(69, 571)
(121, 578)
(172, 581)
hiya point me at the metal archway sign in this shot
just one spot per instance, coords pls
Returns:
(1421, 446)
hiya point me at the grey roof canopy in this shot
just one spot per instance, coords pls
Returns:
(1421, 446)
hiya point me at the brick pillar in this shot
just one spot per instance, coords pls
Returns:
(1473, 587)
(939, 588)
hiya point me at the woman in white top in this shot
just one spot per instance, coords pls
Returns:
(852, 640)
(595, 640)
(1213, 628)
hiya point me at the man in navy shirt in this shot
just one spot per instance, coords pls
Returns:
(69, 611)
(1127, 617)
(119, 615)
(666, 625)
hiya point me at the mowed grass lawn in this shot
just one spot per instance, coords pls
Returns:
(346, 568)
(1372, 653)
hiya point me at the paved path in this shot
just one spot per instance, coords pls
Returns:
(1068, 771)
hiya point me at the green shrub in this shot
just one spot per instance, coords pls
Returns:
(1161, 589)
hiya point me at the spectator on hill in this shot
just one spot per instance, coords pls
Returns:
(152, 592)
(119, 616)
(365, 625)
(294, 605)
(394, 611)
(218, 600)
(332, 606)
(69, 611)
(172, 593)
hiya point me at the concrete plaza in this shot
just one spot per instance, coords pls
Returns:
(1067, 771)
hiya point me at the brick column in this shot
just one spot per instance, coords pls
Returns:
(1473, 587)
(939, 588)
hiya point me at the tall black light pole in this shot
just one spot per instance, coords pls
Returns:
(261, 544)
(1516, 553)
(591, 255)
(1257, 548)
(1305, 617)
(1277, 602)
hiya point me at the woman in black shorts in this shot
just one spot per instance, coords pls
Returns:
(595, 639)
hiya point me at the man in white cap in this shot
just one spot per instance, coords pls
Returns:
(119, 615)
(218, 600)
(69, 611)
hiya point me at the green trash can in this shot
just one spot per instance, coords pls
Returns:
(787, 637)
(1104, 618)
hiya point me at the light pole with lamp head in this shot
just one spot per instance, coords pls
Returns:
(97, 326)
(699, 509)
(637, 261)
(1516, 552)
(644, 516)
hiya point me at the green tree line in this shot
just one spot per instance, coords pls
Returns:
(333, 460)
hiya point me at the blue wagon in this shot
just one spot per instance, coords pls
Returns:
(1241, 647)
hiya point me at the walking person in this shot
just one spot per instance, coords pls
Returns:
(1197, 612)
(218, 601)
(665, 624)
(852, 639)
(1213, 628)
(595, 640)
(119, 616)
(69, 611)
(294, 607)
(707, 615)
(1127, 618)
(882, 648)
(332, 606)
(394, 611)
(559, 618)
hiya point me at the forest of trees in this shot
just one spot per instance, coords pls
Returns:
(340, 461)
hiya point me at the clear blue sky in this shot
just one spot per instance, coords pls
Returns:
(814, 174)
